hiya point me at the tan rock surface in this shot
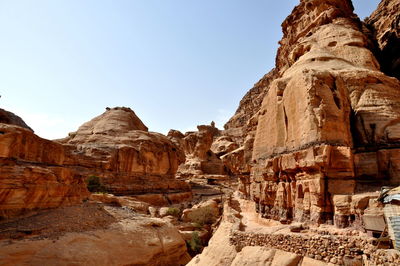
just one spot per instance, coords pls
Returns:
(33, 173)
(204, 212)
(332, 97)
(251, 102)
(130, 241)
(36, 173)
(197, 146)
(127, 158)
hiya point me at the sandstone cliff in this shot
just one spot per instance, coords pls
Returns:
(116, 147)
(33, 173)
(385, 23)
(7, 117)
(201, 156)
(329, 120)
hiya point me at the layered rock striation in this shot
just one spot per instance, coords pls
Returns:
(329, 123)
(34, 173)
(115, 147)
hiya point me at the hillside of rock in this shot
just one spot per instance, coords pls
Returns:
(127, 158)
(94, 235)
(329, 120)
(115, 147)
(10, 118)
(201, 159)
(385, 24)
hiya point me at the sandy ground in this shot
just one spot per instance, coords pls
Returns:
(56, 222)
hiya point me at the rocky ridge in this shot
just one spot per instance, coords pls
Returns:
(114, 147)
(328, 122)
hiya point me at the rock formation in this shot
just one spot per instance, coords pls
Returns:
(33, 173)
(329, 120)
(114, 147)
(200, 157)
(7, 117)
(128, 240)
(128, 159)
(385, 23)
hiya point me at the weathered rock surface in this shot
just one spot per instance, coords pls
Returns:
(37, 173)
(197, 146)
(129, 160)
(251, 102)
(33, 173)
(385, 23)
(7, 117)
(241, 129)
(203, 213)
(133, 240)
(329, 120)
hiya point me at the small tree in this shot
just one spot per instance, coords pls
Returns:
(194, 244)
(94, 184)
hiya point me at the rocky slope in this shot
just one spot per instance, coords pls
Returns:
(115, 147)
(7, 117)
(115, 236)
(127, 158)
(329, 120)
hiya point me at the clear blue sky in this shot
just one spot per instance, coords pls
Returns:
(176, 63)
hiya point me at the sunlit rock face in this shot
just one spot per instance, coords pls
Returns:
(329, 122)
(33, 173)
(117, 147)
(36, 173)
(201, 156)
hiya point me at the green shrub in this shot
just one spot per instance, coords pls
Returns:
(174, 211)
(194, 244)
(94, 184)
(197, 225)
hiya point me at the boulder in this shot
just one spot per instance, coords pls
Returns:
(203, 213)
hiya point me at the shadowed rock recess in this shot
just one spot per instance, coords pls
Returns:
(329, 121)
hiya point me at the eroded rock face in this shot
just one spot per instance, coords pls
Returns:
(9, 118)
(128, 159)
(251, 102)
(137, 241)
(116, 147)
(241, 128)
(329, 120)
(200, 157)
(33, 174)
(385, 22)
